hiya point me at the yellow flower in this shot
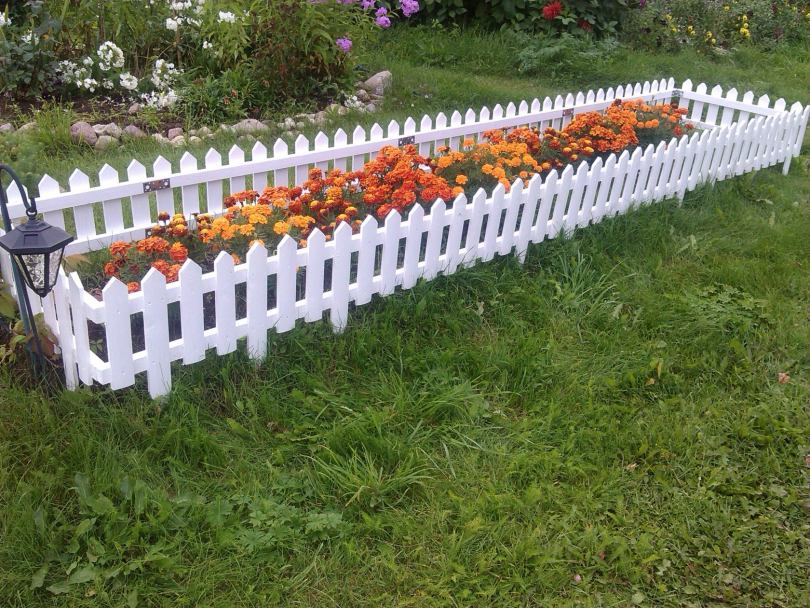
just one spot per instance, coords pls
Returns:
(281, 228)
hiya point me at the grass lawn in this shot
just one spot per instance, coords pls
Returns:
(602, 426)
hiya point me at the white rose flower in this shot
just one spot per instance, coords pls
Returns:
(128, 81)
(226, 17)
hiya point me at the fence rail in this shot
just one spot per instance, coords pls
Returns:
(181, 321)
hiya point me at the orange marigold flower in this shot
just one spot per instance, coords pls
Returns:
(461, 179)
(281, 228)
(178, 252)
(236, 259)
(133, 286)
(152, 244)
(163, 216)
(110, 269)
(119, 248)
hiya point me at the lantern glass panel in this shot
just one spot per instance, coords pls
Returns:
(34, 267)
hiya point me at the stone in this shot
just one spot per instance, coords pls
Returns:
(299, 125)
(194, 140)
(7, 128)
(362, 95)
(371, 107)
(250, 125)
(133, 131)
(113, 130)
(83, 132)
(29, 126)
(203, 132)
(160, 138)
(378, 83)
(174, 133)
(289, 123)
(99, 129)
(334, 107)
(178, 141)
(134, 108)
(105, 141)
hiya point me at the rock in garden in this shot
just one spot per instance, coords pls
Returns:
(203, 132)
(249, 125)
(173, 133)
(289, 123)
(178, 141)
(194, 140)
(83, 132)
(378, 83)
(134, 108)
(133, 131)
(29, 126)
(99, 129)
(105, 141)
(160, 138)
(7, 128)
(371, 107)
(362, 95)
(112, 129)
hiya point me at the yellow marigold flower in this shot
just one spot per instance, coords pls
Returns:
(246, 229)
(444, 162)
(487, 169)
(281, 228)
(461, 180)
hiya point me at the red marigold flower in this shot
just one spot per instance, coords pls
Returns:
(585, 25)
(552, 10)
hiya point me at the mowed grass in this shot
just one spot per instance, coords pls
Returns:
(601, 426)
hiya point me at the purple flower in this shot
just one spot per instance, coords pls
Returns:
(383, 21)
(409, 7)
(344, 44)
(366, 4)
(381, 12)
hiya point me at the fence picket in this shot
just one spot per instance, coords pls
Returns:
(191, 313)
(285, 284)
(390, 253)
(117, 330)
(225, 304)
(341, 268)
(256, 287)
(434, 239)
(156, 333)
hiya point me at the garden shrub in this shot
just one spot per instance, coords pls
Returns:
(268, 51)
(673, 24)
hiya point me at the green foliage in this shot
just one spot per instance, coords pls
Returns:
(565, 54)
(709, 26)
(28, 50)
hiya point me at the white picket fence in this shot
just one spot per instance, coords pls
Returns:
(734, 137)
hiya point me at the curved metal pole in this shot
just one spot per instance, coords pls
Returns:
(29, 324)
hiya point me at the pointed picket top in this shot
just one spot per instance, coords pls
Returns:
(582, 169)
(340, 139)
(499, 190)
(416, 212)
(280, 148)
(115, 287)
(559, 102)
(664, 84)
(523, 108)
(188, 162)
(510, 109)
(469, 116)
(797, 107)
(301, 144)
(717, 91)
(409, 127)
(600, 95)
(287, 245)
(654, 86)
(393, 129)
(321, 141)
(590, 97)
(535, 180)
(764, 101)
(484, 114)
(497, 111)
(153, 279)
(136, 171)
(638, 89)
(392, 218)
(552, 177)
(107, 175)
(579, 99)
(78, 181)
(426, 124)
(438, 207)
(610, 94)
(223, 261)
(441, 120)
(646, 88)
(536, 105)
(236, 155)
(376, 133)
(258, 152)
(686, 85)
(161, 167)
(358, 135)
(256, 253)
(701, 88)
(548, 104)
(731, 94)
(369, 223)
(662, 146)
(637, 154)
(189, 270)
(569, 100)
(748, 97)
(779, 105)
(610, 162)
(625, 155)
(455, 118)
(213, 158)
(13, 193)
(48, 186)
(316, 237)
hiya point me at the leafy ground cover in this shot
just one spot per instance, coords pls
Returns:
(623, 420)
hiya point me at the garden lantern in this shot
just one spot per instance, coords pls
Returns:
(36, 246)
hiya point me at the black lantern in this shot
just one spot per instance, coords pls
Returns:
(36, 246)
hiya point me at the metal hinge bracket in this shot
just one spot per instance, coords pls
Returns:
(158, 184)
(677, 92)
(404, 141)
(568, 112)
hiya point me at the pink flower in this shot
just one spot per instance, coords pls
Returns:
(383, 21)
(344, 44)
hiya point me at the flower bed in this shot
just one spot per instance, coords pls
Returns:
(396, 180)
(219, 301)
